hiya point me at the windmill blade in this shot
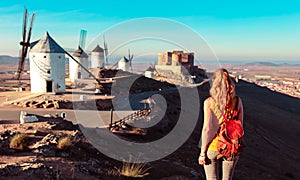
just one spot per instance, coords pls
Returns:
(29, 34)
(129, 55)
(82, 39)
(105, 49)
(24, 26)
(30, 28)
(23, 44)
(130, 63)
(130, 58)
(131, 66)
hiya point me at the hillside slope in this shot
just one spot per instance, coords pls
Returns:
(272, 122)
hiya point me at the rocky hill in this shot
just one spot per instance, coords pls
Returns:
(271, 125)
(272, 122)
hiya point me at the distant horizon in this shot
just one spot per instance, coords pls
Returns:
(153, 60)
(233, 30)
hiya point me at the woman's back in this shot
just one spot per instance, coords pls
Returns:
(223, 103)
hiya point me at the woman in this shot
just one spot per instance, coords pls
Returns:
(223, 95)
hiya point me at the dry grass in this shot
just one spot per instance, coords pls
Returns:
(137, 170)
(64, 143)
(19, 141)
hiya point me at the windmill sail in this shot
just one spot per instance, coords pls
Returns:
(25, 43)
(105, 50)
(82, 38)
(130, 60)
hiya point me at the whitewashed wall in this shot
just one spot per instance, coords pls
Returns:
(85, 63)
(97, 59)
(149, 74)
(123, 65)
(73, 69)
(47, 67)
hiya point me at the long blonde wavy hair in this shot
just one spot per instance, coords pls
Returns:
(223, 90)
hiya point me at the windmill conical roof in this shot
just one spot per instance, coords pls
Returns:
(98, 49)
(79, 52)
(150, 69)
(47, 45)
(124, 59)
(33, 43)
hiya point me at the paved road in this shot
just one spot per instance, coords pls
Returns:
(87, 117)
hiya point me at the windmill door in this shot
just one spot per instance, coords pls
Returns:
(49, 86)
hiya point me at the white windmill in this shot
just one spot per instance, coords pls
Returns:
(75, 70)
(97, 57)
(150, 71)
(47, 66)
(125, 64)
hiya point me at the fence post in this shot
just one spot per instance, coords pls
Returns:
(111, 117)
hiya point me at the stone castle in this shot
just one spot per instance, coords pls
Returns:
(178, 65)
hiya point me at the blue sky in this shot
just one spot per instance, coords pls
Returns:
(235, 30)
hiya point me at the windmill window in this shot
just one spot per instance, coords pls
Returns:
(45, 56)
(48, 71)
(59, 57)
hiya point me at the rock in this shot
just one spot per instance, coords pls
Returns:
(48, 105)
(76, 136)
(15, 103)
(8, 169)
(32, 103)
(45, 151)
(28, 166)
(27, 104)
(39, 105)
(50, 125)
(56, 105)
(50, 138)
(6, 132)
(65, 125)
(47, 115)
(15, 169)
(29, 128)
(12, 133)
